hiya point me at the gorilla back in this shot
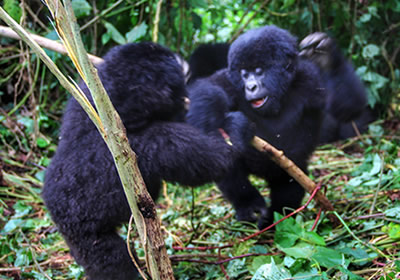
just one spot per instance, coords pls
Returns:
(82, 190)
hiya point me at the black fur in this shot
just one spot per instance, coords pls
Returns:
(295, 99)
(82, 189)
(209, 58)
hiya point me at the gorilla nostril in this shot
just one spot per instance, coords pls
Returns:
(252, 87)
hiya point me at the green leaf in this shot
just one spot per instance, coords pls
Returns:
(114, 33)
(301, 250)
(40, 175)
(356, 253)
(13, 9)
(287, 3)
(105, 38)
(393, 212)
(236, 268)
(313, 238)
(271, 271)
(376, 165)
(136, 33)
(81, 8)
(327, 257)
(365, 18)
(198, 4)
(23, 258)
(393, 230)
(42, 143)
(12, 225)
(370, 51)
(258, 262)
(349, 274)
(21, 209)
(28, 123)
(287, 232)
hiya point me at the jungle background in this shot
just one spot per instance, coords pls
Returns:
(361, 176)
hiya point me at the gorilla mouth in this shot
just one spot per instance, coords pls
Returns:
(257, 103)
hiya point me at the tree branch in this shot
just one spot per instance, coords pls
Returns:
(44, 42)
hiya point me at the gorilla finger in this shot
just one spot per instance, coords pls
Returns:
(312, 39)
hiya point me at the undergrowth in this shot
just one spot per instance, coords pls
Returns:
(360, 176)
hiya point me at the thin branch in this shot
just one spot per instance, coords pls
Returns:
(295, 172)
(45, 43)
(157, 21)
(248, 21)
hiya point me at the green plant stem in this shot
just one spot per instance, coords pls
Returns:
(376, 250)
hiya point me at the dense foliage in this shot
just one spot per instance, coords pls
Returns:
(361, 176)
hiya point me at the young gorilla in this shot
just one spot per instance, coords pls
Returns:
(82, 189)
(339, 78)
(209, 58)
(283, 95)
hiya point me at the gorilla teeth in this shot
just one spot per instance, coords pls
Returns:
(257, 103)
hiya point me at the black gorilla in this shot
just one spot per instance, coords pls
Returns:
(82, 189)
(339, 78)
(285, 96)
(209, 58)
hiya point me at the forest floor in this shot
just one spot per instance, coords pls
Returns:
(360, 176)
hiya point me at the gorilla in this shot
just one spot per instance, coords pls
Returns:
(82, 190)
(286, 98)
(209, 58)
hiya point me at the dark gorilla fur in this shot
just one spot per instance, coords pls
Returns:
(209, 58)
(82, 189)
(293, 100)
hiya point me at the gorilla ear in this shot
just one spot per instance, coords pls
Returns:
(292, 62)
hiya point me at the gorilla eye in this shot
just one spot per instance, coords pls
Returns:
(258, 71)
(244, 74)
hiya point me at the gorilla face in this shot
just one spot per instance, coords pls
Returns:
(262, 63)
(265, 86)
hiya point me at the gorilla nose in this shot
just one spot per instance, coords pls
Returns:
(252, 87)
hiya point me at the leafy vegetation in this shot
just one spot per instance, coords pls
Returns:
(361, 176)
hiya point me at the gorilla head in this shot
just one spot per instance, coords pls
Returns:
(140, 94)
(262, 62)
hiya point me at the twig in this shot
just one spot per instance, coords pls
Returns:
(376, 250)
(252, 235)
(248, 21)
(130, 251)
(34, 255)
(295, 172)
(287, 216)
(157, 21)
(371, 210)
(103, 13)
(45, 43)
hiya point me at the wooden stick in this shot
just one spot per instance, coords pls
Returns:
(45, 43)
(295, 172)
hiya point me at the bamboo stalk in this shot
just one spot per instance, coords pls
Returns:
(111, 129)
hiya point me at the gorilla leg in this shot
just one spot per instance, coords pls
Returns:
(103, 255)
(285, 193)
(246, 200)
